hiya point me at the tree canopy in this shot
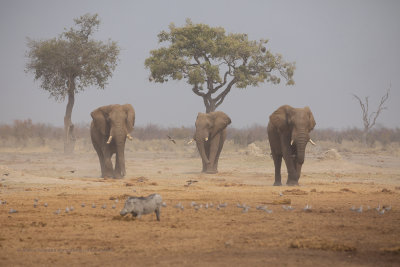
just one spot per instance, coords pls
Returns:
(212, 62)
(71, 62)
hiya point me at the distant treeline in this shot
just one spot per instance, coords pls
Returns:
(25, 129)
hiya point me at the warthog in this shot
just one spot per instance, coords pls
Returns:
(143, 205)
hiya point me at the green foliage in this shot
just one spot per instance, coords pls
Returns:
(72, 61)
(212, 61)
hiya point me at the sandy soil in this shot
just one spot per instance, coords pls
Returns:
(328, 234)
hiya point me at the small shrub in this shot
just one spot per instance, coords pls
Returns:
(25, 133)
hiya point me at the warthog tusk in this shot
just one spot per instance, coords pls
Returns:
(291, 142)
(191, 141)
(206, 139)
(109, 139)
(312, 142)
(129, 137)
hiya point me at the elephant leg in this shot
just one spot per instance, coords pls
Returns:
(204, 166)
(289, 160)
(101, 159)
(278, 163)
(117, 171)
(220, 146)
(207, 151)
(108, 168)
(119, 165)
(291, 169)
(293, 178)
(97, 141)
(298, 171)
(276, 152)
(214, 148)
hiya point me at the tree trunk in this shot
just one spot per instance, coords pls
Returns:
(210, 104)
(210, 109)
(69, 137)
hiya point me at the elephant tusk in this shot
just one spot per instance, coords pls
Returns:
(109, 139)
(191, 141)
(129, 137)
(291, 142)
(206, 139)
(312, 142)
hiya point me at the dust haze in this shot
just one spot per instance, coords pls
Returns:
(340, 49)
(56, 210)
(344, 212)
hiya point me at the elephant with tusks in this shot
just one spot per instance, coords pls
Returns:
(289, 133)
(210, 136)
(109, 129)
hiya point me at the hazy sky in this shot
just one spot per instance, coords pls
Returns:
(340, 48)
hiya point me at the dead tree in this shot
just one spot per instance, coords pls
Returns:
(369, 119)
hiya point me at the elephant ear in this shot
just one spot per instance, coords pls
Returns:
(311, 116)
(281, 118)
(99, 120)
(221, 121)
(130, 117)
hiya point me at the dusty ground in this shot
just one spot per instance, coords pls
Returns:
(327, 235)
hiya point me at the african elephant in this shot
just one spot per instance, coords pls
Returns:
(288, 134)
(110, 127)
(210, 136)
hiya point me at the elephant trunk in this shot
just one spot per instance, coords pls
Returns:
(298, 170)
(200, 142)
(121, 160)
(119, 135)
(301, 143)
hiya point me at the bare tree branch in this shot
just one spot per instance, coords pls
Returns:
(220, 98)
(224, 82)
(196, 90)
(196, 58)
(206, 102)
(364, 110)
(369, 120)
(380, 108)
(206, 58)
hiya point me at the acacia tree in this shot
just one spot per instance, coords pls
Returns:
(212, 62)
(369, 119)
(69, 63)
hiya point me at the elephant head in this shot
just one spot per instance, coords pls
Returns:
(209, 137)
(295, 123)
(114, 123)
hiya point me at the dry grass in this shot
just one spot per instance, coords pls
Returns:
(257, 148)
(317, 243)
(328, 234)
(28, 136)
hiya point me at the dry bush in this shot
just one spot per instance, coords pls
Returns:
(149, 132)
(384, 136)
(158, 145)
(25, 134)
(152, 131)
(248, 135)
